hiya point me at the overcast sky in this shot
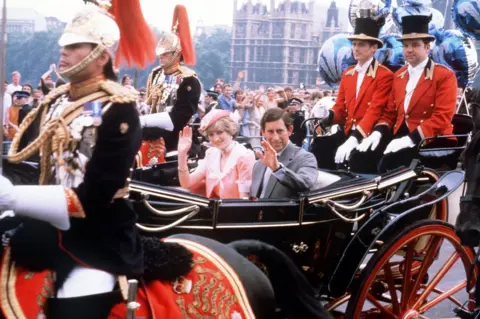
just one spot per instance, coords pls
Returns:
(157, 12)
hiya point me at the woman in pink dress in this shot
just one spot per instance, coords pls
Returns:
(226, 170)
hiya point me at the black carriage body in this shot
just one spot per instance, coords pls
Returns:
(328, 249)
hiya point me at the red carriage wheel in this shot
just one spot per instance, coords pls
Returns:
(412, 273)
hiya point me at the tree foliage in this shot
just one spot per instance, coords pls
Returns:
(32, 53)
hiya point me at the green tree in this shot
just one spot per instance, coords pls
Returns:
(213, 57)
(32, 53)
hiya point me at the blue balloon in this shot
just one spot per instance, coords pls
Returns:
(417, 2)
(466, 15)
(455, 50)
(391, 54)
(334, 58)
(437, 23)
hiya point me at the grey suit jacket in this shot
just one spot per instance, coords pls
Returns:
(299, 174)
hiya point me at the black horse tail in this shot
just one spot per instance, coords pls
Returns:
(292, 290)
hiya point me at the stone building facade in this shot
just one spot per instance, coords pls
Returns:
(278, 44)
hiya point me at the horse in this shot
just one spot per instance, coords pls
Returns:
(467, 224)
(185, 276)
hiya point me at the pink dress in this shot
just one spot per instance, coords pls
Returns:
(236, 177)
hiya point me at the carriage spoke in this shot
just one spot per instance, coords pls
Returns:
(391, 288)
(439, 276)
(435, 301)
(380, 307)
(407, 274)
(427, 261)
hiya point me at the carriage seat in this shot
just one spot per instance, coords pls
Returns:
(325, 179)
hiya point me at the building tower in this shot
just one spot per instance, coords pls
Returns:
(275, 45)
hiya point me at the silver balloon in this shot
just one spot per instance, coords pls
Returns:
(334, 58)
(368, 8)
(437, 23)
(466, 15)
(417, 2)
(458, 52)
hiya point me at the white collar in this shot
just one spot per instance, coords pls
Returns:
(419, 67)
(364, 67)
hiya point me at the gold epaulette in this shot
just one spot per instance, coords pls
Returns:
(56, 92)
(119, 93)
(186, 72)
(350, 70)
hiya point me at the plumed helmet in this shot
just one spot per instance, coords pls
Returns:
(179, 40)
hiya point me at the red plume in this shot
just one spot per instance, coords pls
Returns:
(180, 22)
(137, 42)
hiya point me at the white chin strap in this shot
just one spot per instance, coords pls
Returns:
(172, 61)
(97, 52)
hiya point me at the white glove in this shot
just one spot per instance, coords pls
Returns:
(343, 152)
(370, 142)
(160, 120)
(320, 110)
(398, 144)
(6, 194)
(47, 203)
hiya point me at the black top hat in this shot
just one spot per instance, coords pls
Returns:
(367, 29)
(416, 27)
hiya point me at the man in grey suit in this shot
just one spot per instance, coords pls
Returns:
(284, 169)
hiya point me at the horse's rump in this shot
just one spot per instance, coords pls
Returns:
(211, 288)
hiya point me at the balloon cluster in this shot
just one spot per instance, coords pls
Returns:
(334, 57)
(452, 48)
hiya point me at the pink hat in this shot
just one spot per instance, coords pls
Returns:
(211, 117)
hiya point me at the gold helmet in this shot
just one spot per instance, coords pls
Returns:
(102, 25)
(168, 42)
(178, 41)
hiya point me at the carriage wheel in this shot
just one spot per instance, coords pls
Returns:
(410, 275)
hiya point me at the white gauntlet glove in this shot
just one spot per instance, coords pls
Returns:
(160, 120)
(370, 142)
(398, 144)
(47, 203)
(343, 152)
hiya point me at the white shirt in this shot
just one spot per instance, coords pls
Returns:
(361, 74)
(414, 74)
(12, 88)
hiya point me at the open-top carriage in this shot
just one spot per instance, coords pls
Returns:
(372, 246)
(370, 241)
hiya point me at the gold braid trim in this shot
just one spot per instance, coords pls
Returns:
(150, 80)
(54, 136)
(118, 93)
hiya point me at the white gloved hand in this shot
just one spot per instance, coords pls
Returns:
(370, 142)
(7, 199)
(160, 120)
(343, 152)
(398, 144)
(320, 110)
(46, 203)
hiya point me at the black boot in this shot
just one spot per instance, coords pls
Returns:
(93, 307)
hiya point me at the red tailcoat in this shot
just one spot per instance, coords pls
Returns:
(365, 110)
(431, 107)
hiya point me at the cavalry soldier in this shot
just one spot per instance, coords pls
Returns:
(173, 90)
(422, 102)
(89, 135)
(363, 93)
